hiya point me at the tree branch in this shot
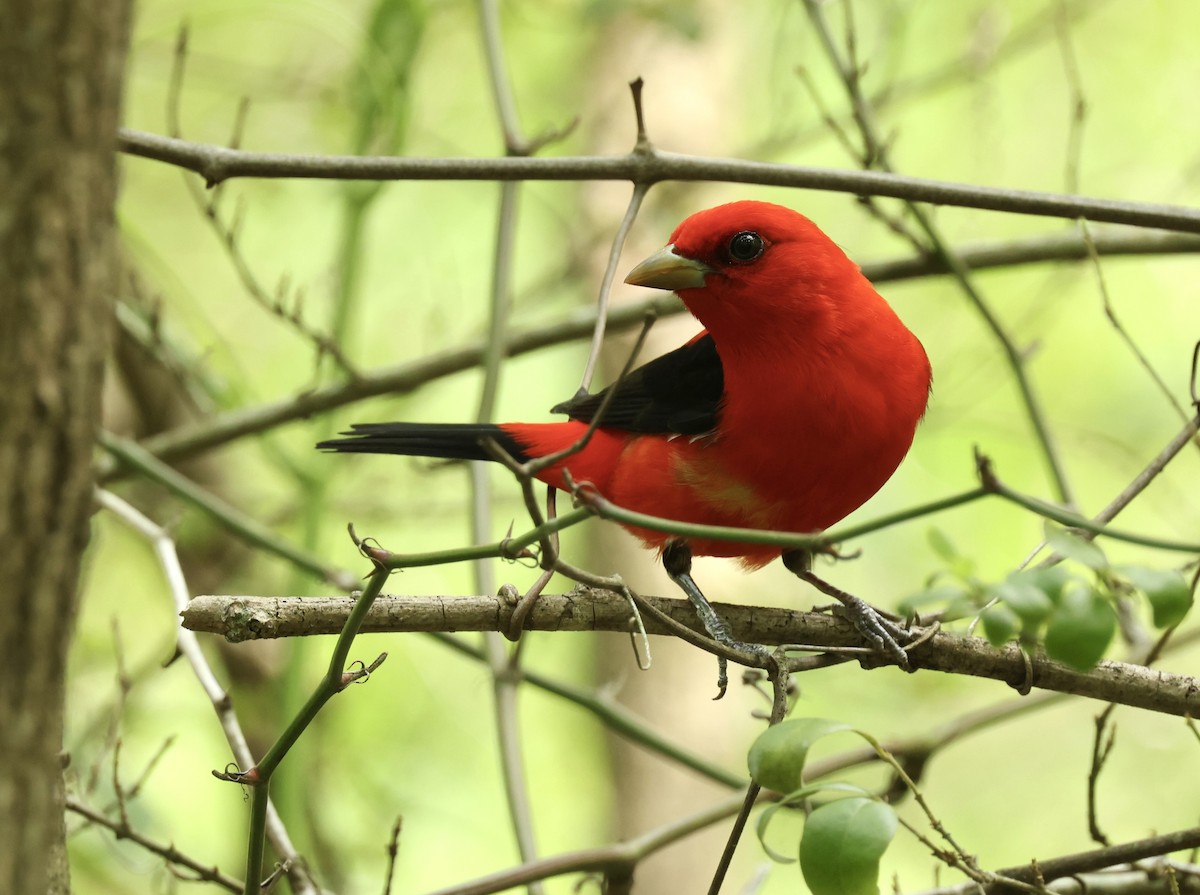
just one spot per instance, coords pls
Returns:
(218, 163)
(585, 609)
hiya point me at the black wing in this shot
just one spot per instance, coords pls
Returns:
(679, 393)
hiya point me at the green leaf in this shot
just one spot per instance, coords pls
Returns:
(1000, 624)
(791, 800)
(1081, 627)
(1072, 546)
(1168, 592)
(1050, 581)
(1023, 594)
(777, 757)
(842, 844)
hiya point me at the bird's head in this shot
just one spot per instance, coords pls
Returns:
(756, 265)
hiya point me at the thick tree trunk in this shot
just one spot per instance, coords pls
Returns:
(60, 77)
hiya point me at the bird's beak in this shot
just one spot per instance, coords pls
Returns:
(667, 270)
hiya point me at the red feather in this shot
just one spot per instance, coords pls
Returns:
(823, 388)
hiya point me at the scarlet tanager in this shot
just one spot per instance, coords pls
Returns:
(794, 405)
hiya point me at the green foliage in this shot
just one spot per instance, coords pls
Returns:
(1067, 608)
(1000, 624)
(1166, 590)
(1081, 627)
(842, 844)
(844, 839)
(777, 757)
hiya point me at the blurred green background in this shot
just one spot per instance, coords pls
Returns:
(973, 91)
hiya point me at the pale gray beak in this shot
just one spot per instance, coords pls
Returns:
(667, 270)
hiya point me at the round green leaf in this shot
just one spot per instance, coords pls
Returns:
(1167, 591)
(842, 844)
(777, 757)
(1051, 581)
(791, 800)
(1081, 627)
(1000, 624)
(1024, 594)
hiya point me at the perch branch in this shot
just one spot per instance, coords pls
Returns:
(584, 609)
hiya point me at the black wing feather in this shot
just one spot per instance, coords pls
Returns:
(453, 441)
(678, 393)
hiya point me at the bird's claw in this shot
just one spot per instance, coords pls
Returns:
(880, 631)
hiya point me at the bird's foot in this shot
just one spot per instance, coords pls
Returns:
(677, 560)
(882, 632)
(877, 629)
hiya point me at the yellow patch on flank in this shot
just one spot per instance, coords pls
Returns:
(722, 490)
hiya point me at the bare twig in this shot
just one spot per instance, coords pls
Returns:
(285, 304)
(248, 529)
(1081, 863)
(337, 677)
(615, 861)
(500, 662)
(875, 154)
(779, 704)
(1078, 100)
(1111, 314)
(1102, 744)
(189, 645)
(393, 849)
(167, 852)
(218, 163)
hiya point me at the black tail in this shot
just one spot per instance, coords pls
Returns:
(455, 441)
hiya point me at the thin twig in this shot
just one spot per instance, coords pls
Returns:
(167, 852)
(336, 678)
(219, 163)
(500, 662)
(779, 703)
(248, 529)
(1111, 314)
(1102, 744)
(875, 155)
(606, 281)
(189, 646)
(393, 849)
(618, 859)
(285, 304)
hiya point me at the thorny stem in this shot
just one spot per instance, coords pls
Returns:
(335, 680)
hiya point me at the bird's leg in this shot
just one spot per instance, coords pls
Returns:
(677, 560)
(879, 630)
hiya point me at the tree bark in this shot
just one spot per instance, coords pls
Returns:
(61, 66)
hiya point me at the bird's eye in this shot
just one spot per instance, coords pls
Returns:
(745, 246)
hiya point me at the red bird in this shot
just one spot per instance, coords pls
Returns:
(794, 405)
